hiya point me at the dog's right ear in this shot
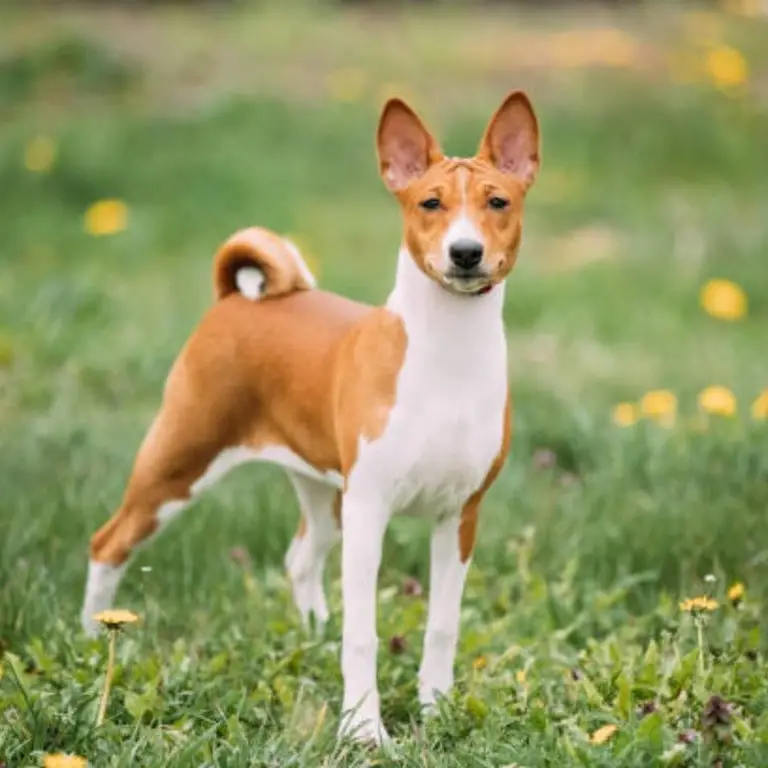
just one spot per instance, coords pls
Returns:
(405, 147)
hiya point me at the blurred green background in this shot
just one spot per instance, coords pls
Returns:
(183, 122)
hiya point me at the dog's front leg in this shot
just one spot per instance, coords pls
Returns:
(447, 574)
(364, 521)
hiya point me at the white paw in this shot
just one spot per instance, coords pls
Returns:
(100, 591)
(366, 730)
(88, 623)
(309, 598)
(431, 690)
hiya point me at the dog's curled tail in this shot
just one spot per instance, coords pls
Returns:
(258, 263)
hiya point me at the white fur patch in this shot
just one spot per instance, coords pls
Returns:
(103, 580)
(461, 228)
(305, 559)
(169, 511)
(278, 454)
(230, 458)
(250, 282)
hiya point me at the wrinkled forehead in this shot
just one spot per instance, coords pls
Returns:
(460, 175)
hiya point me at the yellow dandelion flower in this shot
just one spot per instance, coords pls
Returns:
(347, 84)
(698, 604)
(719, 401)
(736, 592)
(106, 217)
(727, 67)
(625, 414)
(115, 619)
(659, 404)
(64, 761)
(603, 734)
(479, 663)
(760, 406)
(521, 676)
(724, 300)
(40, 154)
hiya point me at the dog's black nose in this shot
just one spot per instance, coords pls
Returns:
(466, 254)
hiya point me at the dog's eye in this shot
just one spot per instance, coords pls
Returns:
(498, 203)
(430, 204)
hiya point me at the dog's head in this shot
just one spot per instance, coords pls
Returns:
(462, 216)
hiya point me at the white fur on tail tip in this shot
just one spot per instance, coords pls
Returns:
(250, 282)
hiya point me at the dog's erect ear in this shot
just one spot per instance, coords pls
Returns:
(405, 147)
(511, 140)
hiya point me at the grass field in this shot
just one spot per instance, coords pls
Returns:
(654, 181)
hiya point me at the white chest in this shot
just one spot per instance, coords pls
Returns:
(442, 438)
(446, 427)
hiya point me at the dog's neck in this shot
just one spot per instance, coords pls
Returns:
(443, 324)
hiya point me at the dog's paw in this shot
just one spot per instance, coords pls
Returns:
(364, 730)
(89, 625)
(430, 695)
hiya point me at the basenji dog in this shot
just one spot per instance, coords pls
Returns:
(372, 411)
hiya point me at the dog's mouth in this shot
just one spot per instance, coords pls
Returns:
(471, 283)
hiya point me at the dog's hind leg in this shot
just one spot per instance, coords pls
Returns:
(317, 532)
(180, 456)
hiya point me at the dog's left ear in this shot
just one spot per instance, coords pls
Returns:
(511, 140)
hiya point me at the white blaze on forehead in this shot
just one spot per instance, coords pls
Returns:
(462, 227)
